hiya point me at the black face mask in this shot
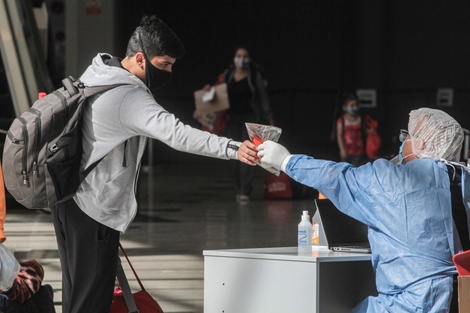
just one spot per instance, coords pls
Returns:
(156, 78)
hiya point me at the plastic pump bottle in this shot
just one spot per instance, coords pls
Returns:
(304, 238)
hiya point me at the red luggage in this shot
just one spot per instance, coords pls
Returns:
(277, 187)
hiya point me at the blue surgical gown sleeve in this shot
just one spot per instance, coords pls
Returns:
(408, 211)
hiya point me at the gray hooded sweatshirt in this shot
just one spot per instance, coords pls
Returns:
(115, 128)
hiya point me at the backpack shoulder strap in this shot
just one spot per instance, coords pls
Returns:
(73, 85)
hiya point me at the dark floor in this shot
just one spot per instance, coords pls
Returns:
(185, 207)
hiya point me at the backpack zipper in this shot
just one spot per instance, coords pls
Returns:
(24, 170)
(37, 143)
(63, 100)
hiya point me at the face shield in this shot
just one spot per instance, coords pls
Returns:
(435, 135)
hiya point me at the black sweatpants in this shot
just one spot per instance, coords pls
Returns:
(88, 254)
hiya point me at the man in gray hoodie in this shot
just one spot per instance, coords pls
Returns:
(116, 125)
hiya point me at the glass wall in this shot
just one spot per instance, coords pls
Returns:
(23, 61)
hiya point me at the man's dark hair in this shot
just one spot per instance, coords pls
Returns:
(156, 38)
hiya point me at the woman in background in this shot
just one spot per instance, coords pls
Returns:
(249, 103)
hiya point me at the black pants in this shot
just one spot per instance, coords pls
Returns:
(88, 254)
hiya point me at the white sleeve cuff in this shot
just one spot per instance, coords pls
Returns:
(284, 162)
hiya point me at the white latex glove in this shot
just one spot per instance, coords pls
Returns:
(273, 155)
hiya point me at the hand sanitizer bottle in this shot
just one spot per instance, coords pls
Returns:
(304, 238)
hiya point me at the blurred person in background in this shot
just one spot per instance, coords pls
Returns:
(249, 103)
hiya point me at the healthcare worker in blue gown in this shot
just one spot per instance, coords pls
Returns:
(407, 207)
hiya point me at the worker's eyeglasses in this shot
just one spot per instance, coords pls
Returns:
(403, 135)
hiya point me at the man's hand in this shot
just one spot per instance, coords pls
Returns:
(273, 155)
(247, 153)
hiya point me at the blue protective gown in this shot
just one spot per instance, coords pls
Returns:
(408, 212)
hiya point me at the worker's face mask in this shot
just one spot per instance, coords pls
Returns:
(401, 158)
(156, 78)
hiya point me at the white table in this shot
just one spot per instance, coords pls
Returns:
(277, 280)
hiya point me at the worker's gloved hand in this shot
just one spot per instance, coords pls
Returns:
(273, 155)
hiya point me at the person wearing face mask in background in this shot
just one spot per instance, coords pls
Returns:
(115, 128)
(416, 211)
(350, 131)
(249, 103)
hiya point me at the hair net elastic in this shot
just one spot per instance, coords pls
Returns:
(435, 134)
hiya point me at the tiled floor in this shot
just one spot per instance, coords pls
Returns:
(185, 207)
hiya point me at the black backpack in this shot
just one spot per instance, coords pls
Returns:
(43, 147)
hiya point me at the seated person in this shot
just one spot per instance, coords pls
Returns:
(27, 294)
(407, 208)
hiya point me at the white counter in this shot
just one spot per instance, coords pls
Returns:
(278, 280)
